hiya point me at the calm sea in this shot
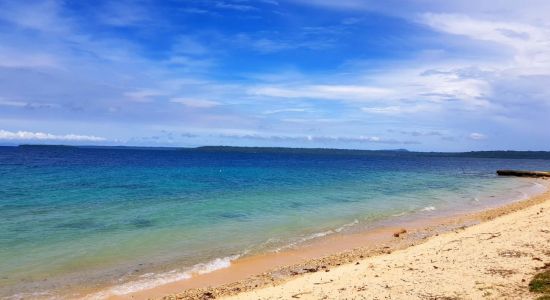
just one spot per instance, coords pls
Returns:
(84, 216)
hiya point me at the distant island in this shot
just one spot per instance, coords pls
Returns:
(510, 154)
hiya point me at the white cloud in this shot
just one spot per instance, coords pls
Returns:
(341, 4)
(331, 92)
(12, 103)
(320, 138)
(189, 45)
(284, 110)
(41, 136)
(190, 63)
(196, 103)
(309, 38)
(527, 10)
(477, 136)
(123, 13)
(239, 7)
(398, 110)
(530, 44)
(144, 95)
(36, 15)
(19, 59)
(23, 104)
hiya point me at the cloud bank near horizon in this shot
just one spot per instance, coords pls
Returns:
(47, 137)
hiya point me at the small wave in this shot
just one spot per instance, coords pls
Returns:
(399, 214)
(538, 184)
(36, 295)
(428, 208)
(304, 239)
(268, 243)
(151, 280)
(316, 235)
(339, 229)
(217, 264)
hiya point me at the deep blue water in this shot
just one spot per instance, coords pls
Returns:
(70, 216)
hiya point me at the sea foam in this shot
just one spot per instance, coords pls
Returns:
(151, 280)
(428, 208)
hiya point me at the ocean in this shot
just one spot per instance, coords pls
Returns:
(134, 218)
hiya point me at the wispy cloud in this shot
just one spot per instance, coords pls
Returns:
(145, 95)
(334, 92)
(234, 6)
(37, 15)
(321, 139)
(196, 103)
(398, 110)
(123, 13)
(27, 105)
(12, 58)
(284, 110)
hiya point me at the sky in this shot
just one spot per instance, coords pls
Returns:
(423, 75)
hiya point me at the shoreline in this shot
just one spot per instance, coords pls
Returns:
(258, 271)
(495, 259)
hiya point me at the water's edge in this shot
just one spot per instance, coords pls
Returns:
(153, 280)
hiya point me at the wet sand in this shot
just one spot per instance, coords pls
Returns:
(288, 273)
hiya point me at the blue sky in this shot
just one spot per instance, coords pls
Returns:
(420, 74)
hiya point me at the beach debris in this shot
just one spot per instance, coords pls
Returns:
(438, 297)
(512, 253)
(400, 232)
(501, 272)
(297, 296)
(208, 295)
(546, 266)
(362, 288)
(491, 235)
(311, 270)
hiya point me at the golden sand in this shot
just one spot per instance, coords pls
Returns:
(490, 254)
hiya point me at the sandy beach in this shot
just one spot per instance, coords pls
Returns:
(494, 260)
(489, 254)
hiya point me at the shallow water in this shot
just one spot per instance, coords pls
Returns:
(81, 216)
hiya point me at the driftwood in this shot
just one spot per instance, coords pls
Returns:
(521, 173)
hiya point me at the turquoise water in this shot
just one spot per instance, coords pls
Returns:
(82, 216)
